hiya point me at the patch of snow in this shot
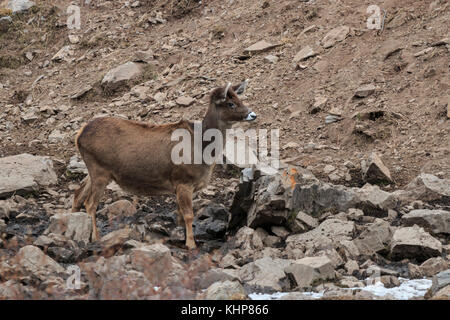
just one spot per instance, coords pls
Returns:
(408, 289)
(267, 296)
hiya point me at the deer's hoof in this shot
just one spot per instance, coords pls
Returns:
(191, 245)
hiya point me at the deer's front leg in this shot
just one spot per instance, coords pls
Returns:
(184, 199)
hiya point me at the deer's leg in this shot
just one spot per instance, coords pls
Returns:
(97, 187)
(180, 219)
(81, 194)
(184, 199)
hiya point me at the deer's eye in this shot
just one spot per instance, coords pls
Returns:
(231, 105)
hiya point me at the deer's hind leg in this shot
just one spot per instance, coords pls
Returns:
(184, 199)
(81, 194)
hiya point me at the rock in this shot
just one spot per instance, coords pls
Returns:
(440, 281)
(63, 54)
(375, 170)
(5, 23)
(120, 208)
(335, 35)
(414, 243)
(2, 226)
(351, 266)
(247, 238)
(433, 266)
(155, 261)
(434, 221)
(260, 46)
(214, 275)
(279, 231)
(34, 261)
(303, 222)
(120, 75)
(305, 53)
(20, 5)
(375, 238)
(304, 272)
(56, 136)
(265, 274)
(211, 222)
(271, 58)
(365, 91)
(76, 226)
(443, 294)
(389, 281)
(76, 165)
(225, 290)
(25, 173)
(427, 187)
(144, 56)
(115, 239)
(74, 39)
(185, 101)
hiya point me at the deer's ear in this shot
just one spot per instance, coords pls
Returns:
(240, 88)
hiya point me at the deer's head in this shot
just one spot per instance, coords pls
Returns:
(227, 105)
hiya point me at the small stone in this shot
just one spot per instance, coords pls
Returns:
(260, 46)
(305, 53)
(74, 39)
(365, 91)
(336, 35)
(185, 101)
(271, 58)
(376, 171)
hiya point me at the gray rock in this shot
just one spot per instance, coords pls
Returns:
(365, 91)
(185, 101)
(63, 54)
(155, 261)
(304, 272)
(435, 221)
(414, 243)
(440, 281)
(225, 290)
(375, 238)
(375, 170)
(25, 173)
(427, 187)
(76, 165)
(20, 5)
(5, 23)
(265, 274)
(76, 226)
(120, 75)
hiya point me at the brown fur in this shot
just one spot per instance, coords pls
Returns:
(137, 155)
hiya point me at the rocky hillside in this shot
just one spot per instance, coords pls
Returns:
(363, 193)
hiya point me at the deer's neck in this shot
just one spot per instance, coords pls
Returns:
(211, 121)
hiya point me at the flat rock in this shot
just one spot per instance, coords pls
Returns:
(427, 187)
(335, 35)
(20, 5)
(305, 53)
(119, 75)
(435, 221)
(304, 272)
(75, 225)
(414, 243)
(185, 101)
(365, 91)
(25, 173)
(259, 46)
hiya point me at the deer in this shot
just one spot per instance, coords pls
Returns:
(137, 156)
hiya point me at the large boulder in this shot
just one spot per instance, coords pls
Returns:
(25, 173)
(427, 187)
(440, 281)
(225, 290)
(414, 243)
(265, 274)
(76, 226)
(303, 273)
(374, 171)
(435, 221)
(33, 260)
(375, 238)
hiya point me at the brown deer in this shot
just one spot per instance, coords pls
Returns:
(137, 156)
